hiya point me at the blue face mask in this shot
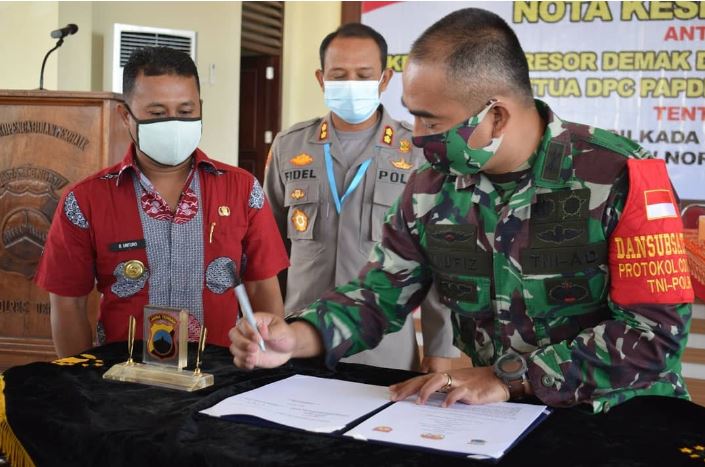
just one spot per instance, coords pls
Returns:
(353, 101)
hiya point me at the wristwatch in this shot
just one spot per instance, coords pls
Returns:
(511, 368)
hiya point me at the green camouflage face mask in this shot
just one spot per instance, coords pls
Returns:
(450, 152)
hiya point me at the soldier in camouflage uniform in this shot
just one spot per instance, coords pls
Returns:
(521, 221)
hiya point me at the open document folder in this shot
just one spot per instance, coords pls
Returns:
(305, 402)
(333, 406)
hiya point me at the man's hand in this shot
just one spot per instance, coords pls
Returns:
(469, 385)
(279, 340)
(435, 364)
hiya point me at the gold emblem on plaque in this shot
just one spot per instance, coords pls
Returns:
(298, 194)
(164, 353)
(134, 269)
(300, 220)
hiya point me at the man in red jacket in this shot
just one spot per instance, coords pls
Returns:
(166, 226)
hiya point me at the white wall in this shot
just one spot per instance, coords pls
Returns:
(305, 26)
(75, 56)
(24, 39)
(84, 62)
(217, 26)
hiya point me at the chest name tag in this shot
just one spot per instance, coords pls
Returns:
(469, 264)
(300, 174)
(563, 259)
(392, 176)
(128, 245)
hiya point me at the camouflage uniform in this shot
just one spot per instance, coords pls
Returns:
(527, 272)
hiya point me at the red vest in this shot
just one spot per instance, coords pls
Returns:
(647, 258)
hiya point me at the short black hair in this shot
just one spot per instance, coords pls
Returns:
(481, 52)
(355, 30)
(157, 61)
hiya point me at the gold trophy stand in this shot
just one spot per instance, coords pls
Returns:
(162, 376)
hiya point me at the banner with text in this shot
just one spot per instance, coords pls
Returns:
(635, 68)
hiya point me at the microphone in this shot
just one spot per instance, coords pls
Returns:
(57, 34)
(65, 31)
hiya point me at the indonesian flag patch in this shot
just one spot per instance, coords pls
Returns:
(660, 204)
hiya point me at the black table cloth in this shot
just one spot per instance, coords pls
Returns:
(67, 415)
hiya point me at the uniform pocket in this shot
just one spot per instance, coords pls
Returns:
(461, 270)
(465, 295)
(568, 294)
(385, 195)
(302, 201)
(130, 278)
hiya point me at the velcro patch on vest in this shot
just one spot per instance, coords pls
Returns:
(475, 263)
(128, 245)
(561, 206)
(553, 162)
(648, 261)
(451, 237)
(559, 234)
(465, 291)
(567, 290)
(564, 259)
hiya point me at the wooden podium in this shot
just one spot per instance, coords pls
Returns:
(48, 140)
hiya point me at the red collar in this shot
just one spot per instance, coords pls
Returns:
(128, 162)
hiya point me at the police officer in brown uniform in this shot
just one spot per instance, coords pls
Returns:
(330, 182)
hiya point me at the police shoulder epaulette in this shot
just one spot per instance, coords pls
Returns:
(615, 143)
(406, 125)
(301, 126)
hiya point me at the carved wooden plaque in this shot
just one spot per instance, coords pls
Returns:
(48, 140)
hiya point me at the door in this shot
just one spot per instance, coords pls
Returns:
(259, 110)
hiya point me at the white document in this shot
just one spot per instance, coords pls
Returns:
(306, 402)
(476, 430)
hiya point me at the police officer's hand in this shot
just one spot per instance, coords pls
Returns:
(469, 385)
(279, 340)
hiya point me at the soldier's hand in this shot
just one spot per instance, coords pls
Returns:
(469, 385)
(279, 340)
(435, 364)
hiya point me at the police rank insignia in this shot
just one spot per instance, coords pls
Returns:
(300, 220)
(165, 335)
(324, 131)
(301, 160)
(402, 164)
(298, 194)
(404, 146)
(388, 136)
